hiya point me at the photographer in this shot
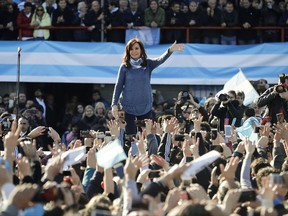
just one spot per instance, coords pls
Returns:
(275, 98)
(226, 108)
(184, 105)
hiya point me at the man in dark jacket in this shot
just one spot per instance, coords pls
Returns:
(275, 98)
(226, 109)
(248, 18)
(115, 18)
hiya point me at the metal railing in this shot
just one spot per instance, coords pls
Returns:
(281, 29)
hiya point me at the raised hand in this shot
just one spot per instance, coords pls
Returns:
(240, 148)
(186, 149)
(75, 179)
(22, 195)
(281, 131)
(265, 130)
(54, 135)
(130, 168)
(233, 137)
(169, 125)
(11, 138)
(262, 142)
(140, 143)
(195, 147)
(249, 147)
(143, 176)
(53, 167)
(172, 199)
(231, 200)
(114, 128)
(6, 175)
(229, 171)
(196, 191)
(226, 150)
(176, 47)
(29, 148)
(214, 177)
(197, 123)
(91, 158)
(24, 168)
(68, 196)
(38, 131)
(115, 112)
(160, 162)
(11, 141)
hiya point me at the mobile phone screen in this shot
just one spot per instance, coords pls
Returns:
(119, 170)
(154, 174)
(227, 130)
(233, 122)
(276, 179)
(214, 132)
(247, 196)
(134, 148)
(66, 173)
(85, 134)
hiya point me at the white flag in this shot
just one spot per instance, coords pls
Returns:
(239, 82)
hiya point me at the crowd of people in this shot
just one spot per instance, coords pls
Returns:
(250, 177)
(140, 154)
(32, 15)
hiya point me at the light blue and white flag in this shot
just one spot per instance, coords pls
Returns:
(149, 36)
(110, 154)
(239, 82)
(95, 62)
(247, 129)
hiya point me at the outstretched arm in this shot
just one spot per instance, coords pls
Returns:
(161, 59)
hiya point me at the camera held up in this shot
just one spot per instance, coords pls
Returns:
(185, 96)
(282, 87)
(6, 122)
(223, 97)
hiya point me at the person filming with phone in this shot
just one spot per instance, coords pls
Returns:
(275, 98)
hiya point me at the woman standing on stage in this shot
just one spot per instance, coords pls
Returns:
(133, 82)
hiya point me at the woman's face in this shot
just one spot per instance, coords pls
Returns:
(135, 51)
(89, 112)
(110, 115)
(80, 109)
(99, 110)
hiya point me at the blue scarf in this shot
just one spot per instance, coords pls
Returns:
(136, 63)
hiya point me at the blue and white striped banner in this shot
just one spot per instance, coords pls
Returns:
(72, 62)
(149, 36)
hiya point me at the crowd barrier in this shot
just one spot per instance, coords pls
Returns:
(281, 29)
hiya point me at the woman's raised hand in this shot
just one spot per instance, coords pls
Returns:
(176, 47)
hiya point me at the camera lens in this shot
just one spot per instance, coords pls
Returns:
(185, 94)
(223, 97)
(280, 89)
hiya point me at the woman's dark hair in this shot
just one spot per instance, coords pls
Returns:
(249, 112)
(130, 44)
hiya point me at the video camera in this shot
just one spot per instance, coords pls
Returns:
(282, 87)
(184, 96)
(6, 122)
(223, 97)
